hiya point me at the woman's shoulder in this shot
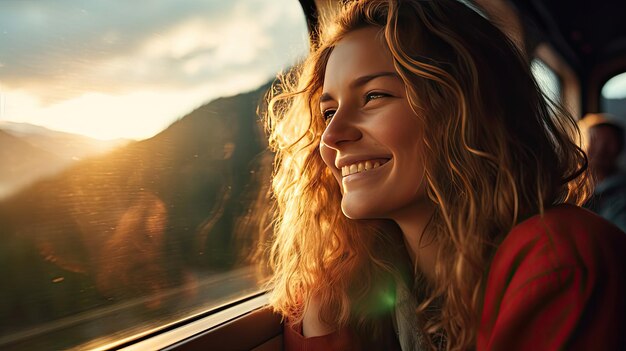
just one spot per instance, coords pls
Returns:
(565, 241)
(556, 282)
(565, 234)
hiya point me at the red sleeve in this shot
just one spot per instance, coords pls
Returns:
(342, 340)
(557, 283)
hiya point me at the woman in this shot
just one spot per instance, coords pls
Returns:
(423, 190)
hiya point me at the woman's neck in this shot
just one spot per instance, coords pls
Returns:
(414, 223)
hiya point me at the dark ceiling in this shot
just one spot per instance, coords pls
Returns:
(587, 33)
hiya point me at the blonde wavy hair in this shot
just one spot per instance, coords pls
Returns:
(497, 153)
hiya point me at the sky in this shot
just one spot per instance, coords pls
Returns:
(128, 69)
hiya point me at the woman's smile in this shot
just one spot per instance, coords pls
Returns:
(376, 168)
(363, 166)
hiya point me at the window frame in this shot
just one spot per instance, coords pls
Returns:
(601, 107)
(570, 85)
(175, 335)
(598, 77)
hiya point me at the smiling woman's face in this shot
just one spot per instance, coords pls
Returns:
(373, 140)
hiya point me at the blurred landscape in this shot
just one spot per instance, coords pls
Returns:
(93, 224)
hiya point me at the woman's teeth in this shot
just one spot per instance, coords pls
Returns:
(360, 167)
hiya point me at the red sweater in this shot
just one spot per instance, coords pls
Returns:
(556, 282)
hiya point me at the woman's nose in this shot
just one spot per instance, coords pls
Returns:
(341, 129)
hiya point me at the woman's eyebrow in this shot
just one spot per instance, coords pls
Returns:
(325, 97)
(361, 81)
(364, 79)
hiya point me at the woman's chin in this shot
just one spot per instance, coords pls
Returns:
(360, 211)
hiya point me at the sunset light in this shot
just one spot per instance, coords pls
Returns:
(128, 74)
(134, 115)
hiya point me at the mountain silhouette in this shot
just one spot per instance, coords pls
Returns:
(144, 218)
(64, 145)
(29, 153)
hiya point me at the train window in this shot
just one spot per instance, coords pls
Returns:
(546, 78)
(613, 97)
(131, 161)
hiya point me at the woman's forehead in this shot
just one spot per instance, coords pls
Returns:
(360, 53)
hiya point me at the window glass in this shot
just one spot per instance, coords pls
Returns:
(546, 78)
(132, 160)
(613, 99)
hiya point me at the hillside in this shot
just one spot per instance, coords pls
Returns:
(64, 145)
(29, 153)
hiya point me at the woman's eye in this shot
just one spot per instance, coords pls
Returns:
(374, 95)
(328, 114)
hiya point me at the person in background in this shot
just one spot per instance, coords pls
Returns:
(605, 143)
(426, 196)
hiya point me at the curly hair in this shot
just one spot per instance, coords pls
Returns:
(497, 152)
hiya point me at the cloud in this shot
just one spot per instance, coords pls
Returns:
(63, 49)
